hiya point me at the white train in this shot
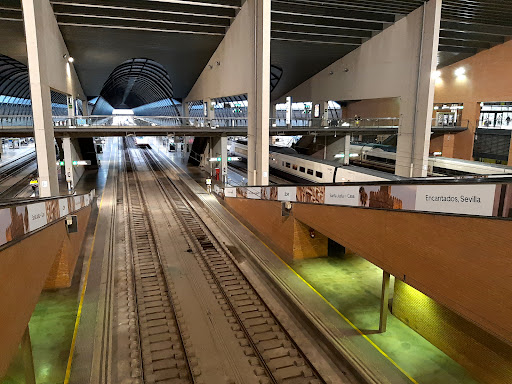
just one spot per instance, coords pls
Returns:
(383, 157)
(142, 142)
(287, 163)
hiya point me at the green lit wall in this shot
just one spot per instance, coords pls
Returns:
(488, 359)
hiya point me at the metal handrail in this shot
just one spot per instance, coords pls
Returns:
(126, 121)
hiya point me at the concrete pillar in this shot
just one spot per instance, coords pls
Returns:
(259, 98)
(224, 155)
(28, 360)
(71, 106)
(41, 99)
(384, 301)
(219, 147)
(68, 163)
(417, 105)
(346, 149)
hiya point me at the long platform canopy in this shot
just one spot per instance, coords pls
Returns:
(182, 35)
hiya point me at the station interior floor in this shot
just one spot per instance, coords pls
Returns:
(350, 283)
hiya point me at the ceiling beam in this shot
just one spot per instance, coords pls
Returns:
(353, 41)
(465, 43)
(139, 25)
(471, 36)
(451, 48)
(320, 30)
(330, 12)
(141, 6)
(284, 17)
(129, 15)
(478, 28)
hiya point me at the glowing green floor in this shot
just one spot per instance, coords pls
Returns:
(353, 286)
(51, 331)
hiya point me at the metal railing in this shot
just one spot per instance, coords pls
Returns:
(444, 124)
(127, 121)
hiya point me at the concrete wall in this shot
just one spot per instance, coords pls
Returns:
(397, 63)
(24, 273)
(488, 79)
(61, 75)
(235, 74)
(487, 358)
(463, 263)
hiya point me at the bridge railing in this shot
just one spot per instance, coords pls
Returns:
(126, 121)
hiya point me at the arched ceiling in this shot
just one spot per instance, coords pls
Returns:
(307, 35)
(137, 82)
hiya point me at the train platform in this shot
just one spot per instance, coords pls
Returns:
(318, 283)
(10, 154)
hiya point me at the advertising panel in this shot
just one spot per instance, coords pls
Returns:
(311, 194)
(36, 216)
(460, 199)
(78, 202)
(5, 224)
(253, 192)
(230, 192)
(342, 195)
(269, 193)
(287, 194)
(63, 207)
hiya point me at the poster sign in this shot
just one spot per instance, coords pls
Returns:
(36, 216)
(342, 195)
(287, 194)
(63, 207)
(230, 192)
(461, 199)
(317, 111)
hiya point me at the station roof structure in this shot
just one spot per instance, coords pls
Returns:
(307, 35)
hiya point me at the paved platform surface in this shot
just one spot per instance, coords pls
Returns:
(53, 321)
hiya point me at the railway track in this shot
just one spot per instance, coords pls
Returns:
(161, 340)
(271, 351)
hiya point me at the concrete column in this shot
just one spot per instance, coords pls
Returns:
(33, 17)
(346, 150)
(384, 301)
(224, 155)
(71, 106)
(259, 98)
(416, 106)
(68, 163)
(28, 360)
(85, 107)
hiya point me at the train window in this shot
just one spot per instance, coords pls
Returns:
(310, 172)
(319, 174)
(287, 165)
(294, 167)
(302, 169)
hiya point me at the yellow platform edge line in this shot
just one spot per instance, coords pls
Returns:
(330, 305)
(79, 312)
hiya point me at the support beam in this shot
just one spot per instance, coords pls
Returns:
(241, 68)
(346, 151)
(40, 95)
(68, 163)
(259, 99)
(416, 107)
(384, 301)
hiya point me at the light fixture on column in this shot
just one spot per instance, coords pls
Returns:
(69, 59)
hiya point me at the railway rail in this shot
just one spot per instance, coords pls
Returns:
(159, 348)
